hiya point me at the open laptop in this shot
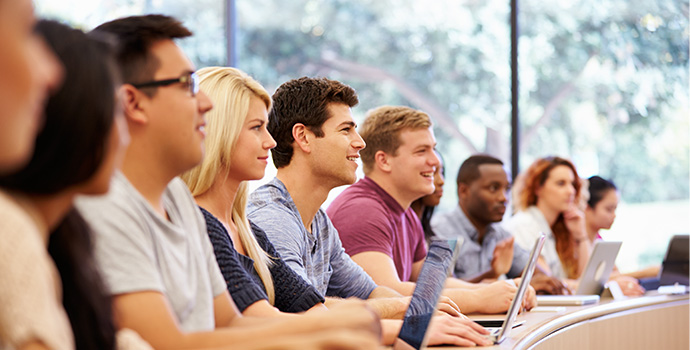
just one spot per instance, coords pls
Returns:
(593, 279)
(497, 335)
(436, 268)
(675, 267)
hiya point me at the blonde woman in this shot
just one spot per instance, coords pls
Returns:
(237, 146)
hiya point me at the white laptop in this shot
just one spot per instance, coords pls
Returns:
(593, 279)
(436, 268)
(497, 335)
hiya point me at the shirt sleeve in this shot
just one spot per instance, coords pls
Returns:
(292, 292)
(348, 279)
(243, 289)
(123, 244)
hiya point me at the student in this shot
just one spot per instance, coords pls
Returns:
(317, 148)
(546, 197)
(425, 206)
(75, 153)
(376, 224)
(28, 72)
(488, 251)
(151, 242)
(237, 147)
(599, 215)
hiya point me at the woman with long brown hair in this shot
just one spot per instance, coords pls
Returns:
(546, 198)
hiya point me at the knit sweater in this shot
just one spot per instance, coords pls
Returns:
(292, 293)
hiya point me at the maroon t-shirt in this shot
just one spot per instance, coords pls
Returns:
(369, 219)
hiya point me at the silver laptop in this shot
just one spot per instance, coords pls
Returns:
(593, 279)
(436, 268)
(497, 335)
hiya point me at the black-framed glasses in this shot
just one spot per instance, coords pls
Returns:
(190, 80)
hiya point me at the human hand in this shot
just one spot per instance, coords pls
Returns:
(503, 256)
(530, 299)
(544, 284)
(575, 223)
(457, 331)
(495, 297)
(332, 339)
(630, 286)
(448, 307)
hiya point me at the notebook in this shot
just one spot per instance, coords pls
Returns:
(593, 279)
(499, 334)
(436, 268)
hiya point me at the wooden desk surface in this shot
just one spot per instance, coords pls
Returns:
(661, 321)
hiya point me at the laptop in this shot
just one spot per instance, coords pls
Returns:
(497, 335)
(675, 267)
(436, 268)
(593, 279)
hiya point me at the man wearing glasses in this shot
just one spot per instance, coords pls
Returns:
(150, 238)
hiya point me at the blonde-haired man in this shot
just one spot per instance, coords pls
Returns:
(387, 239)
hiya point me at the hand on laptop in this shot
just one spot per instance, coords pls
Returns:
(447, 306)
(544, 284)
(458, 331)
(630, 286)
(495, 298)
(530, 299)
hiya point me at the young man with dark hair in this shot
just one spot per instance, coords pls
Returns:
(377, 226)
(150, 239)
(317, 148)
(489, 251)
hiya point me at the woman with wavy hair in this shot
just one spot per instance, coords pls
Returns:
(237, 147)
(547, 197)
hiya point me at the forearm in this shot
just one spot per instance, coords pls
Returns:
(478, 278)
(452, 282)
(390, 330)
(466, 299)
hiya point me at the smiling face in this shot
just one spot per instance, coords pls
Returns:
(176, 118)
(558, 191)
(413, 165)
(604, 212)
(334, 156)
(484, 199)
(28, 70)
(434, 199)
(250, 154)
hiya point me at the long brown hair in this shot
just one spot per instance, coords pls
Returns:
(526, 187)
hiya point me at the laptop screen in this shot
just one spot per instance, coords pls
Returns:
(430, 283)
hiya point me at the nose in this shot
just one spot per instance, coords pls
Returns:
(204, 102)
(358, 142)
(434, 160)
(269, 142)
(503, 196)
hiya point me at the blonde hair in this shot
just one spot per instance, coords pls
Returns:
(230, 90)
(381, 130)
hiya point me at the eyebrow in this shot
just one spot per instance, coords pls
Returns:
(348, 123)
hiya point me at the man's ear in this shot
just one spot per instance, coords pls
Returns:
(463, 191)
(302, 137)
(133, 102)
(382, 161)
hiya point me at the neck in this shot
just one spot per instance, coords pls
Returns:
(306, 191)
(404, 199)
(219, 199)
(52, 208)
(592, 231)
(549, 214)
(145, 174)
(478, 225)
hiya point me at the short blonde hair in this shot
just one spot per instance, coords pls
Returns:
(381, 130)
(231, 90)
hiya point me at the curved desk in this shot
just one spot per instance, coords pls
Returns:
(649, 322)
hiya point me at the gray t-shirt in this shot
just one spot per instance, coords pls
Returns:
(139, 250)
(318, 257)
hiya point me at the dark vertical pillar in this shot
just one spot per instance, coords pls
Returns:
(230, 33)
(514, 88)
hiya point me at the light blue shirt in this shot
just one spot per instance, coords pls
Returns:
(475, 258)
(318, 256)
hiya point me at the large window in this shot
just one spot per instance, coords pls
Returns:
(603, 82)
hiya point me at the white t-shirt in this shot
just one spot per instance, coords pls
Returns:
(139, 250)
